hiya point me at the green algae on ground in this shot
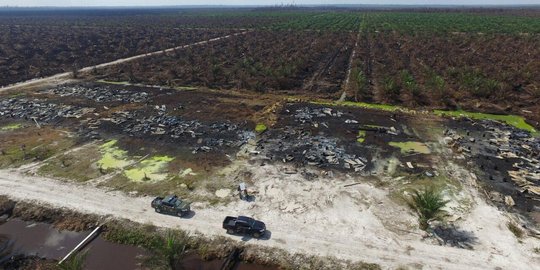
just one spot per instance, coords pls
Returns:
(11, 127)
(113, 157)
(260, 128)
(149, 169)
(513, 120)
(361, 136)
(408, 147)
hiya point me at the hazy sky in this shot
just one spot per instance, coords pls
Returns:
(251, 2)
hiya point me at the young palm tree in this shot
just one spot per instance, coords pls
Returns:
(428, 204)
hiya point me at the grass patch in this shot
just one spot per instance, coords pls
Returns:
(143, 236)
(518, 232)
(79, 166)
(411, 147)
(31, 144)
(512, 120)
(75, 262)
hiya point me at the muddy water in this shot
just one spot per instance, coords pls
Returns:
(45, 241)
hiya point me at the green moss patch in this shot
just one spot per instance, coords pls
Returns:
(361, 137)
(260, 128)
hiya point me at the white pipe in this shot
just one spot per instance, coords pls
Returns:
(82, 243)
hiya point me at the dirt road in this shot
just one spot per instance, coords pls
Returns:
(342, 229)
(63, 77)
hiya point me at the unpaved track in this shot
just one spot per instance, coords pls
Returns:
(62, 77)
(285, 233)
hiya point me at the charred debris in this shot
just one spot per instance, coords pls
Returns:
(110, 113)
(507, 160)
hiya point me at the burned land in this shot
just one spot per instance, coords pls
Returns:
(261, 61)
(154, 114)
(33, 51)
(456, 70)
(204, 127)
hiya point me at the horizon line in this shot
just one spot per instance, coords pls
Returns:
(281, 5)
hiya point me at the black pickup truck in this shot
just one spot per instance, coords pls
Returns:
(244, 225)
(171, 205)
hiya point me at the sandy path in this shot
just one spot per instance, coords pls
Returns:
(291, 231)
(62, 77)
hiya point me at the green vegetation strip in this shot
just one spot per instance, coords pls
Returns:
(10, 127)
(113, 82)
(512, 120)
(382, 107)
(437, 22)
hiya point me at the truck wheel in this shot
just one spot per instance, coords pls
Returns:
(157, 210)
(256, 235)
(230, 231)
(180, 214)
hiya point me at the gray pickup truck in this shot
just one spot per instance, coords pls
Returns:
(171, 205)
